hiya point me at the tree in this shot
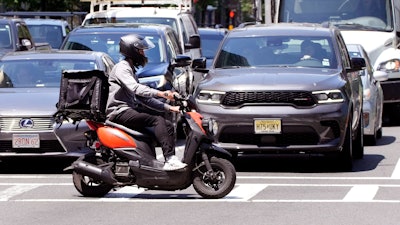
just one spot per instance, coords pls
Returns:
(44, 5)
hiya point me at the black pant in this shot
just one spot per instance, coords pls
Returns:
(163, 129)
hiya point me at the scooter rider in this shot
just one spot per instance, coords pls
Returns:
(126, 94)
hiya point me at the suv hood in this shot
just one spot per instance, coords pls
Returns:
(153, 70)
(272, 79)
(28, 102)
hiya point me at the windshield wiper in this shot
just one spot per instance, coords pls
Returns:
(229, 67)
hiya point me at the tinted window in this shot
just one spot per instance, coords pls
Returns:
(277, 51)
(47, 33)
(5, 37)
(109, 43)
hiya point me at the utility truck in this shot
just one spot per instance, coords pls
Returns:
(376, 28)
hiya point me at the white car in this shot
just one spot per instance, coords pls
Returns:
(373, 95)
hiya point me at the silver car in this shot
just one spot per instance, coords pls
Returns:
(373, 95)
(29, 92)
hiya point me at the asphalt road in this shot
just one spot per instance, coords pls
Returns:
(269, 190)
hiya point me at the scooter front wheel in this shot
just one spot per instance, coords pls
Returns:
(217, 183)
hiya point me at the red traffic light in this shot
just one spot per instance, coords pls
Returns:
(232, 14)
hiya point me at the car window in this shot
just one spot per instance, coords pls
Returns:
(109, 43)
(5, 37)
(345, 57)
(277, 51)
(23, 33)
(52, 34)
(173, 39)
(210, 44)
(183, 32)
(39, 73)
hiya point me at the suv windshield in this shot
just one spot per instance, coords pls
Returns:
(109, 43)
(290, 51)
(346, 14)
(5, 37)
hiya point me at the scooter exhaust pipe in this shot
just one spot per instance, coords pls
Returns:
(96, 172)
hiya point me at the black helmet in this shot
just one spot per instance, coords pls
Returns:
(130, 45)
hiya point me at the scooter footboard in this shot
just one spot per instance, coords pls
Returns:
(159, 179)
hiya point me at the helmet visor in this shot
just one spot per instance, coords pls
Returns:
(145, 44)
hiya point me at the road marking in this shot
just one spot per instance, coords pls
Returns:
(361, 193)
(15, 190)
(68, 176)
(244, 192)
(314, 178)
(124, 193)
(396, 171)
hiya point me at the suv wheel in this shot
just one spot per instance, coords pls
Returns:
(346, 155)
(358, 141)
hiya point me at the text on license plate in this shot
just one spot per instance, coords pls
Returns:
(267, 126)
(25, 141)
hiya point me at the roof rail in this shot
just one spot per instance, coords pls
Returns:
(104, 5)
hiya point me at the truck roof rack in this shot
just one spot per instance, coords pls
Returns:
(104, 5)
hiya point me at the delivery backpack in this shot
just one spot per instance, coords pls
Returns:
(83, 95)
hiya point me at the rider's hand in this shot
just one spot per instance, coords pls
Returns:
(169, 95)
(174, 109)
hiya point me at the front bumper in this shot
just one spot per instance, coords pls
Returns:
(68, 140)
(319, 129)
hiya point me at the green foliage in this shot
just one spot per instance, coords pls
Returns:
(43, 5)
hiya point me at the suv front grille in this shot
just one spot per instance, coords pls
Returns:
(297, 98)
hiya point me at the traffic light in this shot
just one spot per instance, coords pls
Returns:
(231, 19)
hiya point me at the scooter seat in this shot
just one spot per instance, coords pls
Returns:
(130, 131)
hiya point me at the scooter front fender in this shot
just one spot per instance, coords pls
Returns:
(211, 148)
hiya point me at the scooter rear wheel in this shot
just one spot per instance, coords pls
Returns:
(89, 187)
(217, 184)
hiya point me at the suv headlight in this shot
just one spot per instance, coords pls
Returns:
(154, 81)
(328, 96)
(392, 65)
(210, 97)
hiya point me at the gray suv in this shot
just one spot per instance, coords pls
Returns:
(285, 88)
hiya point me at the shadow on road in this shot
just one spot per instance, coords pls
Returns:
(301, 164)
(34, 165)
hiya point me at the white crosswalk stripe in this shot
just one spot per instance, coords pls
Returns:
(15, 190)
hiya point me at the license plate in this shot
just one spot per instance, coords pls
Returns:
(267, 126)
(25, 141)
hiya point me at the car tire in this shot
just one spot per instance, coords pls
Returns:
(370, 139)
(379, 133)
(358, 141)
(346, 155)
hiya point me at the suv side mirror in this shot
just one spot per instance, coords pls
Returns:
(182, 61)
(194, 42)
(199, 65)
(357, 64)
(26, 44)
